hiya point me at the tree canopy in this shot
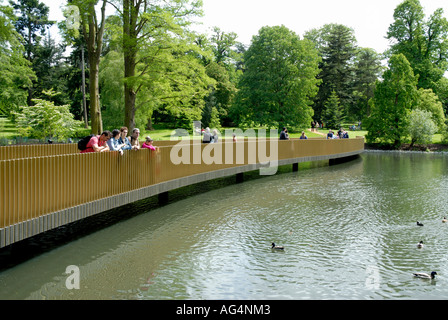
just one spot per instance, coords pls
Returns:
(279, 81)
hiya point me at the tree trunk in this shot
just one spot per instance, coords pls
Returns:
(130, 14)
(83, 90)
(96, 122)
(94, 35)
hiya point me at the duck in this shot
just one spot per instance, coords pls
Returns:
(444, 220)
(420, 224)
(420, 244)
(274, 247)
(422, 275)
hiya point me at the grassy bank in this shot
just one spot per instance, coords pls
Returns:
(7, 129)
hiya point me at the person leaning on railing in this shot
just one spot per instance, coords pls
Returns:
(134, 139)
(98, 143)
(124, 139)
(113, 143)
(148, 144)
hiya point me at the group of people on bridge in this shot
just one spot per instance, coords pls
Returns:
(117, 140)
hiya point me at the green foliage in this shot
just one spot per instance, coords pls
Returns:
(222, 92)
(421, 127)
(16, 75)
(423, 42)
(279, 81)
(111, 84)
(45, 120)
(337, 46)
(333, 114)
(367, 71)
(394, 98)
(428, 101)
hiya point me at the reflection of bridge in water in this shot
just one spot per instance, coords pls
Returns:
(43, 187)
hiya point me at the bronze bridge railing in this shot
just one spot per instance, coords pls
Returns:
(46, 186)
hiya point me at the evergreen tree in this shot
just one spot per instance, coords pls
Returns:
(333, 115)
(337, 46)
(32, 23)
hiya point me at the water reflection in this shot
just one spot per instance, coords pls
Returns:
(349, 232)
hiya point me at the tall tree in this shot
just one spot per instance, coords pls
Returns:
(333, 115)
(169, 75)
(222, 43)
(279, 81)
(394, 99)
(142, 20)
(16, 76)
(93, 31)
(423, 42)
(32, 23)
(51, 67)
(337, 46)
(367, 70)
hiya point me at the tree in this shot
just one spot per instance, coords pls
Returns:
(50, 67)
(337, 46)
(394, 99)
(142, 21)
(16, 76)
(367, 70)
(333, 115)
(222, 43)
(169, 76)
(31, 23)
(421, 127)
(423, 42)
(222, 92)
(279, 81)
(93, 31)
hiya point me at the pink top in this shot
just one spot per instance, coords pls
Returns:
(93, 140)
(148, 146)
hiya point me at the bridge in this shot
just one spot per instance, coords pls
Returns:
(43, 187)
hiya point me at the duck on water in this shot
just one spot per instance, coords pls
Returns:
(423, 275)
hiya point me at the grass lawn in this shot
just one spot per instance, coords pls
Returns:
(160, 133)
(7, 129)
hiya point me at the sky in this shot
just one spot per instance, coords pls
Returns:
(370, 19)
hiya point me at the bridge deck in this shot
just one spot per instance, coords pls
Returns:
(54, 185)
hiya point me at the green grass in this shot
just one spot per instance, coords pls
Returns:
(7, 129)
(161, 133)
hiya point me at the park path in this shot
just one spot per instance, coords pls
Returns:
(320, 133)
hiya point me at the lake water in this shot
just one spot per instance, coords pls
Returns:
(349, 232)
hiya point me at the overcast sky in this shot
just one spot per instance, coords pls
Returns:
(370, 19)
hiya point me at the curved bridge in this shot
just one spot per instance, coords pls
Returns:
(46, 186)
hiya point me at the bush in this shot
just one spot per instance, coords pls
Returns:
(421, 127)
(45, 120)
